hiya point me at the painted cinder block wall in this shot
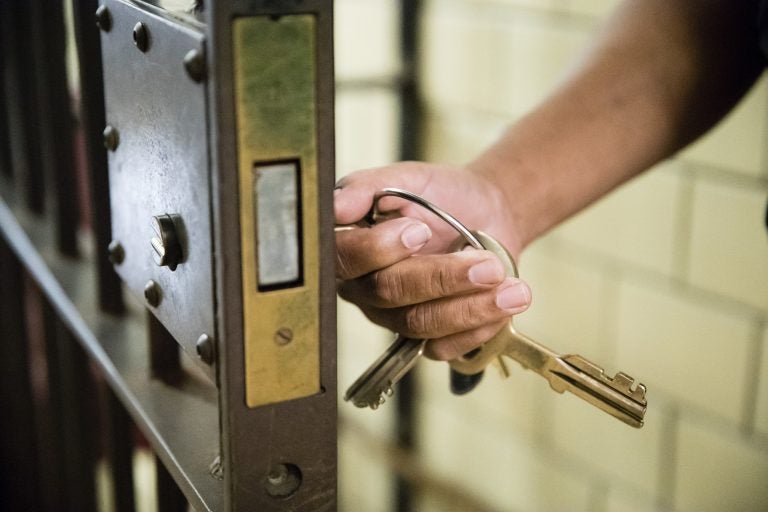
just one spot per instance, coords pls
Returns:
(665, 279)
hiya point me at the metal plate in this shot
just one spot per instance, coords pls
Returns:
(160, 165)
(276, 105)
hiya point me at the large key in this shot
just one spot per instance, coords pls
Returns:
(619, 395)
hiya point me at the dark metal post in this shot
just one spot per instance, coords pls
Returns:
(18, 451)
(410, 149)
(164, 353)
(169, 497)
(93, 121)
(78, 420)
(24, 99)
(5, 145)
(119, 441)
(57, 127)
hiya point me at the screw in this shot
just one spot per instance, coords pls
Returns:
(111, 138)
(152, 293)
(141, 36)
(103, 18)
(204, 348)
(283, 336)
(194, 63)
(116, 252)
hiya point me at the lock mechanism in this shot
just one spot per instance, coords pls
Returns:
(165, 242)
(276, 113)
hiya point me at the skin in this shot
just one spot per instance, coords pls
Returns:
(659, 74)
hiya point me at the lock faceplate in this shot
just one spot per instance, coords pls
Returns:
(275, 105)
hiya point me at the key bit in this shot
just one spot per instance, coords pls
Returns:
(621, 382)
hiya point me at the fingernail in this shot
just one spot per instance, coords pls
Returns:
(415, 235)
(487, 272)
(514, 297)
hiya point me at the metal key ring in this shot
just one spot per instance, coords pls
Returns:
(452, 221)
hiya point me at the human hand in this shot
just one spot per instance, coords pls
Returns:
(397, 271)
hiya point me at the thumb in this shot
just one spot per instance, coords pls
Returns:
(354, 193)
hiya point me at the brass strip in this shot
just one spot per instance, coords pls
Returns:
(275, 105)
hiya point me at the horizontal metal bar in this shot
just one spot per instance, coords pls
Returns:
(181, 422)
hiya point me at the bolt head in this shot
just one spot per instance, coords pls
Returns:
(103, 18)
(111, 138)
(141, 37)
(116, 252)
(194, 63)
(205, 349)
(152, 293)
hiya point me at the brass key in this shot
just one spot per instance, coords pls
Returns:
(619, 396)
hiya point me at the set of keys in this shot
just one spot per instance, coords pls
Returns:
(620, 396)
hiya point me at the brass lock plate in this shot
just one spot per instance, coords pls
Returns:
(275, 104)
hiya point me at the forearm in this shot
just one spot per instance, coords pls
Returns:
(661, 73)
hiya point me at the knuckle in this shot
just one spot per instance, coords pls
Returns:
(344, 266)
(387, 286)
(419, 321)
(441, 281)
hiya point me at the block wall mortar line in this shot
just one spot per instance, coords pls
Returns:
(594, 259)
(752, 377)
(723, 175)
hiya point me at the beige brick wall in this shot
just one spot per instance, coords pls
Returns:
(666, 279)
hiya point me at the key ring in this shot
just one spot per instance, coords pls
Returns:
(452, 221)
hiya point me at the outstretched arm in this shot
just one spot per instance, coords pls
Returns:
(660, 73)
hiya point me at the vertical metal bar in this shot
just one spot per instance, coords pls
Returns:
(169, 497)
(18, 450)
(59, 124)
(5, 146)
(93, 120)
(164, 352)
(28, 99)
(79, 423)
(120, 452)
(44, 371)
(410, 149)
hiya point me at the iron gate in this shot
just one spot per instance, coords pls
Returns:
(198, 164)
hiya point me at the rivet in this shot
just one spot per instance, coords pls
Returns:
(141, 36)
(116, 252)
(103, 18)
(204, 348)
(111, 138)
(283, 336)
(194, 63)
(152, 293)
